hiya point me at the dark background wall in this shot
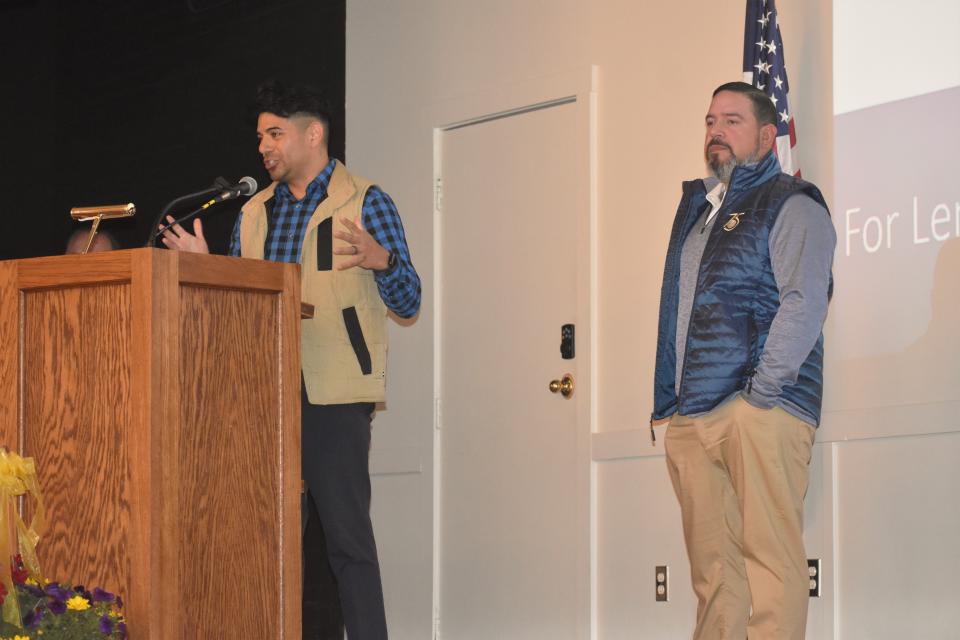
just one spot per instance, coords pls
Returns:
(115, 101)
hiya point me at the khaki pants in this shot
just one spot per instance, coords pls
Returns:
(740, 474)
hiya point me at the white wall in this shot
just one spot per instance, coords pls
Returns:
(910, 49)
(658, 63)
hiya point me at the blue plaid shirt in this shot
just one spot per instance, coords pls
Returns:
(399, 289)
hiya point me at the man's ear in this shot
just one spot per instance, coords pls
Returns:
(768, 136)
(316, 133)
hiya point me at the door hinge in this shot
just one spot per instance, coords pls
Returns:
(438, 194)
(437, 414)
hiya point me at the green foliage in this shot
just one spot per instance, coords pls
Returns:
(57, 613)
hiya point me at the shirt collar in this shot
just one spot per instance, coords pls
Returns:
(715, 195)
(316, 189)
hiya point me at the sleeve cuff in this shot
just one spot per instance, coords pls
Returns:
(759, 401)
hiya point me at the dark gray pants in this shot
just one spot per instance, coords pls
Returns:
(335, 459)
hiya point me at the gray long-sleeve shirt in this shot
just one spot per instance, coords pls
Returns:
(802, 244)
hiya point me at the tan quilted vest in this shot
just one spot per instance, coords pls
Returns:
(344, 345)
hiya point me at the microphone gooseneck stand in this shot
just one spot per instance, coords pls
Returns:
(219, 185)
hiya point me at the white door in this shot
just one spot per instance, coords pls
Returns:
(514, 485)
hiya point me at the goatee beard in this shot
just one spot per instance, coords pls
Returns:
(723, 171)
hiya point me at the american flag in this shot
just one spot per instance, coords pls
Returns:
(764, 68)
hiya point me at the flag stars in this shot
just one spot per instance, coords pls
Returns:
(765, 59)
(762, 66)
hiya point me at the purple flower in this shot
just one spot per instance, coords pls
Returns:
(54, 590)
(58, 607)
(32, 619)
(122, 630)
(99, 595)
(36, 592)
(106, 625)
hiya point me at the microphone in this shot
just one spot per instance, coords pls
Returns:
(246, 186)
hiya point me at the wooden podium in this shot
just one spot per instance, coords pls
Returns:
(159, 394)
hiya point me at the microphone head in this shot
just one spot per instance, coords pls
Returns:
(248, 186)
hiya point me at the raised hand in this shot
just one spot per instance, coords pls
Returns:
(176, 237)
(366, 251)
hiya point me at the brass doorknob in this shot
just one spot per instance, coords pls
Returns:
(564, 386)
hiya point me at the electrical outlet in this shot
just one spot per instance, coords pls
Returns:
(816, 576)
(662, 575)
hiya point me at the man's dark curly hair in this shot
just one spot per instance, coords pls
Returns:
(288, 101)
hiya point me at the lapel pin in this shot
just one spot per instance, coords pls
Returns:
(733, 221)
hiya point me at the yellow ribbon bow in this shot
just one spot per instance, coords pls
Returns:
(18, 476)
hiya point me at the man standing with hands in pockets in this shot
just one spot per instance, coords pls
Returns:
(739, 371)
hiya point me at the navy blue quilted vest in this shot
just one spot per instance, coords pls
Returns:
(735, 301)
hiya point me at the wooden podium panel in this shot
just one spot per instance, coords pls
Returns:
(159, 394)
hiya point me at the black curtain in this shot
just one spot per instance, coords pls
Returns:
(115, 101)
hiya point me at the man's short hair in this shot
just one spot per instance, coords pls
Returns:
(288, 100)
(763, 109)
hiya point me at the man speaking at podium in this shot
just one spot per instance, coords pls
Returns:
(355, 265)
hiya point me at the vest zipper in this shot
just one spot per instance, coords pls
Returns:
(693, 306)
(675, 249)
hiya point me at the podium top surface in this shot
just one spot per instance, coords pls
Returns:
(121, 265)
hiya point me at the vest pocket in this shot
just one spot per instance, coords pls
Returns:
(325, 245)
(355, 333)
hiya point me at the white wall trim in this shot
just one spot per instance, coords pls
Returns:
(890, 422)
(624, 444)
(838, 426)
(437, 371)
(833, 609)
(394, 462)
(455, 111)
(594, 261)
